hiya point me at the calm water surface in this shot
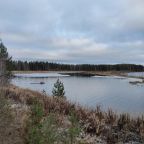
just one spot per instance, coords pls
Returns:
(137, 74)
(109, 92)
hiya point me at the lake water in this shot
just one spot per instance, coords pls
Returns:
(136, 74)
(109, 92)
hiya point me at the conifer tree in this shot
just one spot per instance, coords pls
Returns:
(58, 89)
(4, 64)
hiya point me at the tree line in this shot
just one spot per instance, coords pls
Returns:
(48, 66)
(9, 64)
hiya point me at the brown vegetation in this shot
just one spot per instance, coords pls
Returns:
(12, 121)
(108, 126)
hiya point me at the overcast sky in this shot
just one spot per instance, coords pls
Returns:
(74, 31)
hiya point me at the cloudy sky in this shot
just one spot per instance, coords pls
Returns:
(74, 31)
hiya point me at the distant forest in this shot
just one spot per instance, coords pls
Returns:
(47, 66)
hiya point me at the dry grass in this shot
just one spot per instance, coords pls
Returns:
(108, 125)
(12, 121)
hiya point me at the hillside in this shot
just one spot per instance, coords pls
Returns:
(31, 117)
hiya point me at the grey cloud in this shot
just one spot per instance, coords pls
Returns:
(78, 31)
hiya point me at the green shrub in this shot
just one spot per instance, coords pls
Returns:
(69, 135)
(41, 129)
(46, 129)
(34, 135)
(50, 130)
(37, 112)
(34, 125)
(74, 130)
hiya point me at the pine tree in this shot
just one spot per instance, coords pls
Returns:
(4, 64)
(58, 89)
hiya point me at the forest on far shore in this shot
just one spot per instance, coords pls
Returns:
(48, 66)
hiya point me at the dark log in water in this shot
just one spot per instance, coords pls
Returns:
(39, 83)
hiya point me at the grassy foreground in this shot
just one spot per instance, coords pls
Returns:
(29, 117)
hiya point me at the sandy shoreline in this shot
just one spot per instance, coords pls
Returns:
(107, 73)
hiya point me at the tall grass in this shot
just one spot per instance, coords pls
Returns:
(5, 111)
(108, 125)
(6, 118)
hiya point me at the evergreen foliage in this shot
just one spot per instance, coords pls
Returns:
(48, 66)
(3, 51)
(4, 56)
(58, 89)
(4, 65)
(74, 130)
